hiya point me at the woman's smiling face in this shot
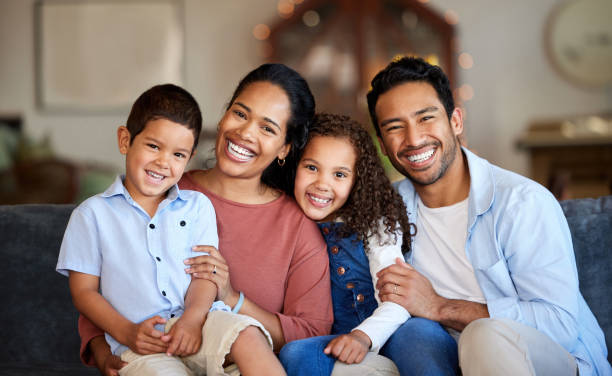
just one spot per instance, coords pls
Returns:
(253, 130)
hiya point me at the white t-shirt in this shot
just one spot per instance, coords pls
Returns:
(439, 251)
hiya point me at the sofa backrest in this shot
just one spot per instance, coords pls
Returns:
(39, 322)
(590, 222)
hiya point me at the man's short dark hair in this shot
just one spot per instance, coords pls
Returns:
(409, 69)
(169, 102)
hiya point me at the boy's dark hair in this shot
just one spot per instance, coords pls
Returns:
(372, 197)
(166, 101)
(302, 105)
(409, 69)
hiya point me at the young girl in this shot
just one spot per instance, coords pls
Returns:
(341, 184)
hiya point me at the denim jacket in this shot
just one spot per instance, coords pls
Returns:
(520, 247)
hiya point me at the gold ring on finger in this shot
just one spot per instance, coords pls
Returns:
(395, 289)
(215, 269)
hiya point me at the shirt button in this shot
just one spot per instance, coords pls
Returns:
(325, 230)
(151, 226)
(163, 293)
(350, 285)
(158, 259)
(183, 223)
(360, 298)
(334, 250)
(172, 315)
(341, 270)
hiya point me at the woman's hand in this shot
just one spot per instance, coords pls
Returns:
(213, 267)
(107, 363)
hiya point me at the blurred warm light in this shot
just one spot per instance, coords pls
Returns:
(285, 8)
(311, 18)
(432, 59)
(466, 92)
(466, 61)
(423, 1)
(451, 17)
(261, 32)
(409, 19)
(298, 1)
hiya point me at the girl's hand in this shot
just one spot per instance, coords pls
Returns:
(185, 337)
(144, 339)
(213, 267)
(349, 348)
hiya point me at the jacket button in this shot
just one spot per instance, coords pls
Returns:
(326, 230)
(334, 250)
(360, 298)
(341, 270)
(350, 285)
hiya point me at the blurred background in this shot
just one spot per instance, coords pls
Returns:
(534, 78)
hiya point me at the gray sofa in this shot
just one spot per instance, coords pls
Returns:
(39, 323)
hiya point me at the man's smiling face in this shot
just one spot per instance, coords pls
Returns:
(416, 134)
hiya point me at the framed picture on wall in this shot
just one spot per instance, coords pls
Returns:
(99, 55)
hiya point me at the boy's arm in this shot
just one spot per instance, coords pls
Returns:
(186, 335)
(141, 338)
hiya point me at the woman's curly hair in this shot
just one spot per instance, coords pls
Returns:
(372, 196)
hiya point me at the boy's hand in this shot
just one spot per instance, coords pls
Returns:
(185, 337)
(349, 348)
(144, 339)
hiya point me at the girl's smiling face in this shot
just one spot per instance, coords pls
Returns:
(325, 176)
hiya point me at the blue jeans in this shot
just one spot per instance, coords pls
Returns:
(422, 347)
(418, 347)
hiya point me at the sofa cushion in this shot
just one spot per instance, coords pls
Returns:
(590, 222)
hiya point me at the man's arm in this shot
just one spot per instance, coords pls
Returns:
(402, 284)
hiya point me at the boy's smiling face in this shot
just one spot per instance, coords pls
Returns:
(155, 160)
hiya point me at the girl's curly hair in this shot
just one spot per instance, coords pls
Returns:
(372, 196)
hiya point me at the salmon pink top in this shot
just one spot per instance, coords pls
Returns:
(276, 256)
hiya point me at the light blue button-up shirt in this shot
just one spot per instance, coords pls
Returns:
(520, 246)
(139, 259)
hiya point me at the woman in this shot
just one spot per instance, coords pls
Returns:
(272, 263)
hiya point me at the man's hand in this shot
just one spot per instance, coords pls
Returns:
(349, 348)
(144, 339)
(185, 337)
(402, 284)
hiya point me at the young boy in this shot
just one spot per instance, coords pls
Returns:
(123, 249)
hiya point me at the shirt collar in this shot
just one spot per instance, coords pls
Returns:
(117, 188)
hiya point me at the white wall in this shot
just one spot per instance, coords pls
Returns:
(513, 81)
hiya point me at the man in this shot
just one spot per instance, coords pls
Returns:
(493, 260)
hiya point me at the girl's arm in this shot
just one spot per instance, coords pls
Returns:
(142, 338)
(388, 316)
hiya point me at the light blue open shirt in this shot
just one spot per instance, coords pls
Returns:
(139, 259)
(520, 247)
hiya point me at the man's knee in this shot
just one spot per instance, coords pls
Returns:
(482, 334)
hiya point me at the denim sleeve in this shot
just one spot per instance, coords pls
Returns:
(534, 238)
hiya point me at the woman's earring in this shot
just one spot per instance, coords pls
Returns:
(281, 162)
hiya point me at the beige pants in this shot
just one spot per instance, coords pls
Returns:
(218, 334)
(505, 347)
(488, 347)
(372, 365)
